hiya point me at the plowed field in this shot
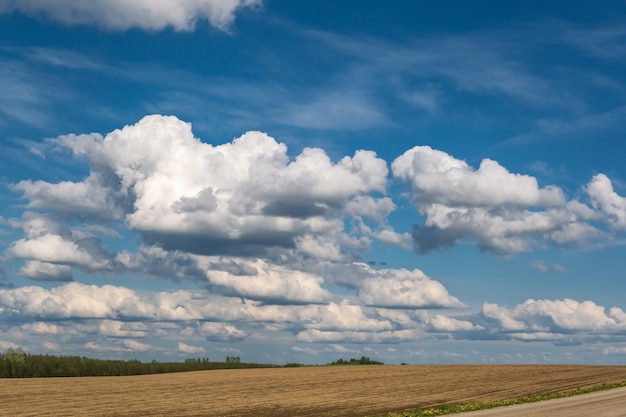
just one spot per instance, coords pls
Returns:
(338, 391)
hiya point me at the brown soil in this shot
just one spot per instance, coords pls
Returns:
(337, 391)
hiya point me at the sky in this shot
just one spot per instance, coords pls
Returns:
(412, 181)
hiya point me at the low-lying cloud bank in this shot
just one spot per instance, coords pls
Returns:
(112, 317)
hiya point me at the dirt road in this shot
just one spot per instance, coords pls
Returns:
(611, 403)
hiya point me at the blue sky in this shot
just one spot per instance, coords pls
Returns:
(300, 181)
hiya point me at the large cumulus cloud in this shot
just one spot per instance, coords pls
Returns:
(505, 212)
(144, 14)
(243, 197)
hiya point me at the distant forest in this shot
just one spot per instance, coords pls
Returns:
(363, 361)
(15, 363)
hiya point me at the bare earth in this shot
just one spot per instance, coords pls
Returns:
(337, 391)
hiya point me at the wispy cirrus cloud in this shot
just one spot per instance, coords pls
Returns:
(545, 267)
(559, 129)
(373, 83)
(606, 42)
(474, 62)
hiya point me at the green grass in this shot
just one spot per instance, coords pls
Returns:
(482, 405)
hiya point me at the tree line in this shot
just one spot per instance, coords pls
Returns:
(363, 361)
(15, 363)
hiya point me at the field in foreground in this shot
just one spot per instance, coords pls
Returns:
(338, 391)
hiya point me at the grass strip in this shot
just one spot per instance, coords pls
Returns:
(483, 405)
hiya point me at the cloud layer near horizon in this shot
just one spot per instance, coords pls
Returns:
(276, 240)
(113, 317)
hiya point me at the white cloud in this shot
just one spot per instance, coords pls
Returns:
(44, 271)
(222, 332)
(367, 206)
(117, 328)
(117, 345)
(136, 346)
(41, 328)
(5, 345)
(600, 190)
(391, 237)
(428, 100)
(243, 197)
(321, 247)
(80, 301)
(441, 323)
(503, 316)
(437, 177)
(115, 317)
(505, 212)
(569, 315)
(364, 208)
(470, 62)
(340, 348)
(93, 346)
(51, 248)
(606, 41)
(402, 288)
(340, 317)
(399, 318)
(74, 300)
(307, 351)
(391, 336)
(122, 15)
(557, 316)
(188, 349)
(25, 94)
(156, 262)
(539, 336)
(573, 232)
(36, 225)
(88, 198)
(260, 280)
(614, 350)
(540, 266)
(49, 346)
(387, 287)
(560, 322)
(117, 312)
(544, 267)
(345, 109)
